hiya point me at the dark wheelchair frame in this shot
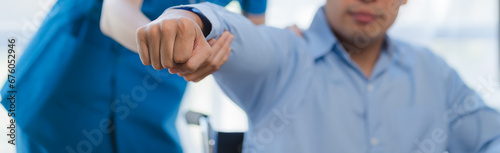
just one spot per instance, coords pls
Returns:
(214, 141)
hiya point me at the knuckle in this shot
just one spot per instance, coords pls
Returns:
(141, 31)
(167, 64)
(180, 59)
(166, 26)
(155, 29)
(157, 66)
(183, 23)
(150, 32)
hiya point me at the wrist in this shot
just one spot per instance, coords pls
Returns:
(202, 21)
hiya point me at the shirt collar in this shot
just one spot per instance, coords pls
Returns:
(321, 39)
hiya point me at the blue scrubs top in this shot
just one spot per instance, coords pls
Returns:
(80, 91)
(252, 7)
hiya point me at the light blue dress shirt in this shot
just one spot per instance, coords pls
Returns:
(306, 95)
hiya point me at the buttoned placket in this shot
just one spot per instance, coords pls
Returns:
(372, 106)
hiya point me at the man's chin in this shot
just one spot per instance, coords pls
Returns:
(367, 32)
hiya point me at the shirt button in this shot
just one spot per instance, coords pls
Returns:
(370, 87)
(374, 141)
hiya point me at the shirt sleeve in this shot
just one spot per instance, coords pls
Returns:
(261, 62)
(253, 7)
(474, 127)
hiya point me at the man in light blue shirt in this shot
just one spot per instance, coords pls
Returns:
(345, 87)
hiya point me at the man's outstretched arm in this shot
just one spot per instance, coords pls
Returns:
(474, 127)
(260, 57)
(178, 36)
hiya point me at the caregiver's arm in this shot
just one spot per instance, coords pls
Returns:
(254, 10)
(120, 20)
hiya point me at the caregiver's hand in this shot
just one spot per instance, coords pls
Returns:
(220, 52)
(174, 41)
(295, 29)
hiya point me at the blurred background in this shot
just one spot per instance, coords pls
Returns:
(465, 33)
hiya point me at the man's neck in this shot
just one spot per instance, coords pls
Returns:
(365, 57)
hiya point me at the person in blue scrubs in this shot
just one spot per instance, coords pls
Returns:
(79, 91)
(255, 10)
(344, 87)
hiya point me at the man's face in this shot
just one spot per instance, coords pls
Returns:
(361, 21)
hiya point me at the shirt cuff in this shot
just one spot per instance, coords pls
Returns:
(208, 10)
(207, 26)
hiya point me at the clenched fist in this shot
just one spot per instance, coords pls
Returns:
(174, 41)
